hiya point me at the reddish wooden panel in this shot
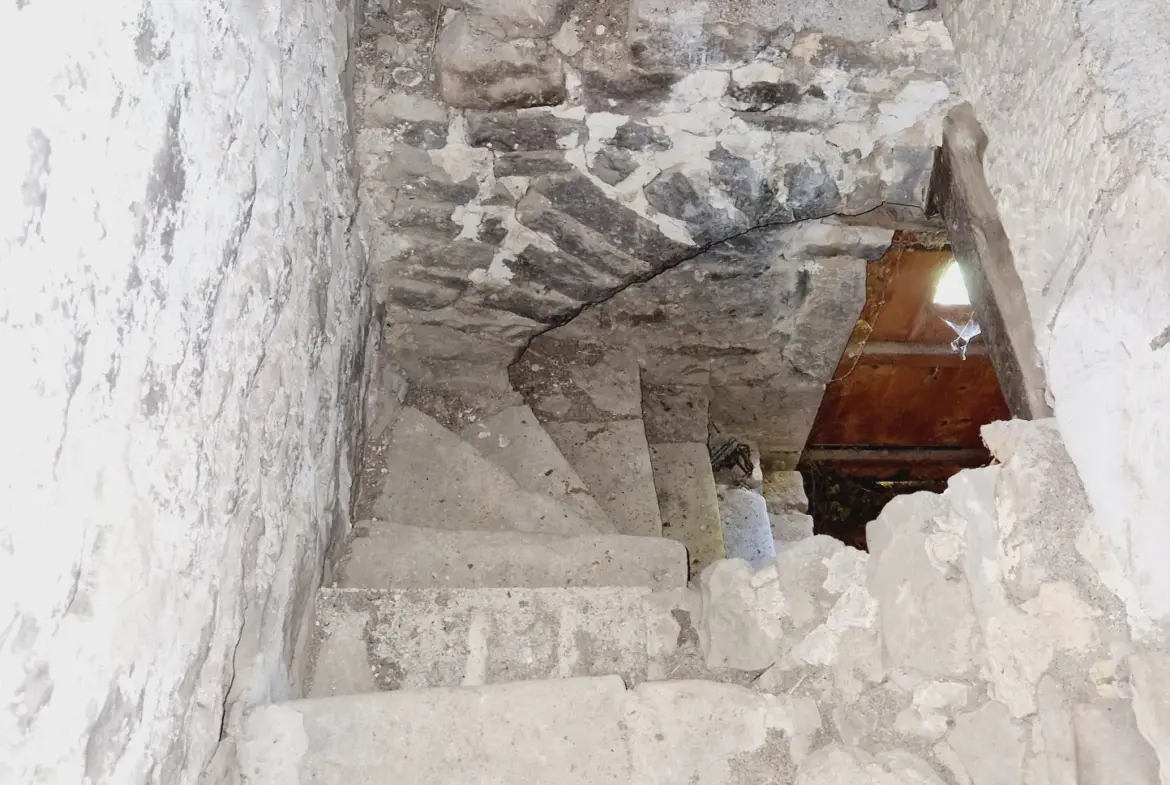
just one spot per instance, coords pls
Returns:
(910, 404)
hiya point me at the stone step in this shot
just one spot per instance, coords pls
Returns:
(569, 732)
(435, 479)
(613, 459)
(688, 501)
(747, 528)
(515, 440)
(589, 400)
(393, 556)
(367, 640)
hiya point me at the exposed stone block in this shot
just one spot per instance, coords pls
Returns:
(747, 531)
(480, 71)
(627, 231)
(675, 413)
(524, 131)
(673, 193)
(976, 734)
(391, 556)
(612, 165)
(837, 764)
(928, 620)
(530, 164)
(790, 527)
(784, 491)
(469, 637)
(1110, 748)
(641, 137)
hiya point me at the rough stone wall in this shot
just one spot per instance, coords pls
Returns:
(984, 639)
(182, 322)
(758, 321)
(523, 160)
(1072, 97)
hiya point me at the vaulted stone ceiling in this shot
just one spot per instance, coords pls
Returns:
(525, 160)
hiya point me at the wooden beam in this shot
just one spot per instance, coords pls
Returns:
(959, 191)
(907, 349)
(965, 456)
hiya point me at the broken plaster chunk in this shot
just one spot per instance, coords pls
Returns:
(836, 764)
(855, 609)
(741, 625)
(1110, 747)
(1067, 619)
(989, 745)
(928, 620)
(934, 703)
(479, 71)
(790, 527)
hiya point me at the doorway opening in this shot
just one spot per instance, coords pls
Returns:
(914, 386)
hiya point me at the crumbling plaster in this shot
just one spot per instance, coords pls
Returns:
(183, 321)
(1072, 97)
(979, 642)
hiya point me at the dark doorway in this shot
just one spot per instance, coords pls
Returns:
(904, 409)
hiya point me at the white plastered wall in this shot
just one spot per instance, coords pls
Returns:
(1075, 99)
(182, 319)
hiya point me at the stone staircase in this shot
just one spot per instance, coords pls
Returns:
(516, 611)
(494, 628)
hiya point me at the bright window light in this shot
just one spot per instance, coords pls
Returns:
(951, 289)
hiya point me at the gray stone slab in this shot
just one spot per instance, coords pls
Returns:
(688, 501)
(567, 732)
(479, 71)
(674, 413)
(778, 419)
(393, 556)
(434, 479)
(567, 380)
(747, 530)
(613, 459)
(471, 637)
(1110, 747)
(784, 491)
(790, 527)
(515, 440)
(705, 733)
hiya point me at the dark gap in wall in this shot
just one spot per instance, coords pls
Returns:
(912, 390)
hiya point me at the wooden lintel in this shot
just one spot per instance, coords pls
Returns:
(958, 456)
(907, 348)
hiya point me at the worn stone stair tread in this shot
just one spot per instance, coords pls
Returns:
(613, 459)
(589, 731)
(514, 439)
(367, 640)
(589, 400)
(395, 556)
(433, 478)
(689, 501)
